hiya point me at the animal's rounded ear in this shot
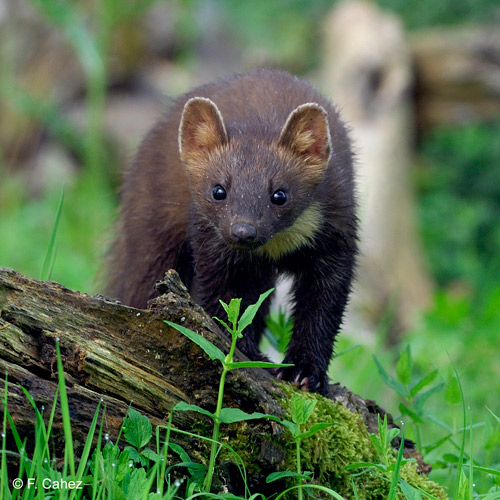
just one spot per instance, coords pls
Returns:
(201, 129)
(306, 133)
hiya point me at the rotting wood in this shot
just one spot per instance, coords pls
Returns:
(122, 354)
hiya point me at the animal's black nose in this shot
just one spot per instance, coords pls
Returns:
(243, 233)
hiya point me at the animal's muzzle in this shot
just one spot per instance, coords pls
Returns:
(243, 233)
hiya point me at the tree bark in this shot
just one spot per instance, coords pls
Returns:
(367, 71)
(124, 355)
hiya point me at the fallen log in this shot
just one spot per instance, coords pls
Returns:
(457, 75)
(124, 355)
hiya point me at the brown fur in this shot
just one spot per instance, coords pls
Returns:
(252, 134)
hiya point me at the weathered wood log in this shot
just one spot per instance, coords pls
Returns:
(122, 354)
(457, 75)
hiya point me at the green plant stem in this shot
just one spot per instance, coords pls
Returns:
(418, 436)
(299, 466)
(215, 434)
(3, 468)
(165, 452)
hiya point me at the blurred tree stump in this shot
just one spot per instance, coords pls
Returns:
(367, 71)
(390, 88)
(122, 354)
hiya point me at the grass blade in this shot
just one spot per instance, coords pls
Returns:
(48, 262)
(462, 445)
(395, 475)
(97, 461)
(86, 450)
(68, 436)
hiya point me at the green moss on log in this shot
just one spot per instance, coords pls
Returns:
(347, 442)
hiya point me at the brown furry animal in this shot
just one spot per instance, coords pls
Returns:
(242, 180)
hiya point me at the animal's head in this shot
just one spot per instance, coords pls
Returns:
(256, 190)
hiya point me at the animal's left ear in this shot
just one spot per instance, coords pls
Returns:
(306, 133)
(201, 130)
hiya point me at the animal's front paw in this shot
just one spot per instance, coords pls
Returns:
(304, 376)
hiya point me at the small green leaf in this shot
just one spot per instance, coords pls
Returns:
(301, 409)
(463, 487)
(451, 458)
(135, 484)
(423, 382)
(133, 454)
(137, 429)
(383, 433)
(196, 470)
(279, 329)
(409, 491)
(194, 466)
(487, 470)
(250, 312)
(391, 434)
(232, 415)
(404, 366)
(390, 381)
(212, 350)
(224, 305)
(150, 454)
(233, 311)
(422, 398)
(255, 364)
(290, 426)
(276, 476)
(395, 475)
(184, 456)
(364, 465)
(223, 323)
(410, 413)
(404, 461)
(377, 444)
(436, 444)
(314, 429)
(183, 406)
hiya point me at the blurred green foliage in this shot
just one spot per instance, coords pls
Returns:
(459, 193)
(82, 238)
(423, 13)
(458, 183)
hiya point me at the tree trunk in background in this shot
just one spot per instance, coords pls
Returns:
(367, 73)
(457, 75)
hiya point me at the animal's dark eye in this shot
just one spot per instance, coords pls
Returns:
(279, 197)
(219, 193)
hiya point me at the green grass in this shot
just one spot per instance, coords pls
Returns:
(83, 232)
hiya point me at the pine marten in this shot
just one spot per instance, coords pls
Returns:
(242, 180)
